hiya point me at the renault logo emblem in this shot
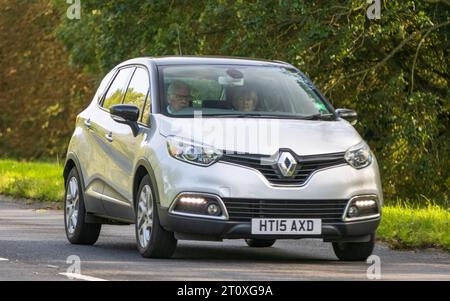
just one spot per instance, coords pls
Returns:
(287, 164)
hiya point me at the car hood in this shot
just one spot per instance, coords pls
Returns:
(263, 136)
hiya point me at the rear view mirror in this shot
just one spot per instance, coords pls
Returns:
(227, 81)
(347, 114)
(234, 77)
(126, 114)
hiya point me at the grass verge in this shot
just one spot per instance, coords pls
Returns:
(403, 226)
(32, 180)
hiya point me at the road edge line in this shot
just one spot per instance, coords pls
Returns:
(81, 277)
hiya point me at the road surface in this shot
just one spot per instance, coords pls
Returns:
(33, 246)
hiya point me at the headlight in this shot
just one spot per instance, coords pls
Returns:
(359, 156)
(192, 152)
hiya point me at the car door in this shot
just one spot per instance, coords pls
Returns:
(101, 127)
(118, 197)
(89, 150)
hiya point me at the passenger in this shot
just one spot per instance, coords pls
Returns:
(245, 100)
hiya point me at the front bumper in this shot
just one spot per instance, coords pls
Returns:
(232, 181)
(194, 228)
(235, 182)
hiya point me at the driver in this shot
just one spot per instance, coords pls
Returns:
(178, 96)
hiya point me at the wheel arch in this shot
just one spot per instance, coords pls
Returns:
(71, 162)
(142, 169)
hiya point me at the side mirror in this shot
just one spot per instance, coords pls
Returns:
(347, 114)
(126, 114)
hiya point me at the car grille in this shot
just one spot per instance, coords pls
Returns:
(306, 166)
(243, 210)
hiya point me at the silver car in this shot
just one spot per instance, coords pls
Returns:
(201, 148)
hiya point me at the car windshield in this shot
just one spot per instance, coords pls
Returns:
(239, 91)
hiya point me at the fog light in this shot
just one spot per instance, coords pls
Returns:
(362, 207)
(192, 200)
(213, 209)
(365, 204)
(199, 205)
(352, 211)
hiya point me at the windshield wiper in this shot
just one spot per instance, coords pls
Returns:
(265, 115)
(246, 115)
(328, 116)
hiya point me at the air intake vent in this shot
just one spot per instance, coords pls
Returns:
(243, 210)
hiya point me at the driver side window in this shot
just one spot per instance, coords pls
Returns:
(138, 94)
(116, 91)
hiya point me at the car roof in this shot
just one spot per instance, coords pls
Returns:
(205, 60)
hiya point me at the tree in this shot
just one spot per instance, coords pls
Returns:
(393, 71)
(40, 94)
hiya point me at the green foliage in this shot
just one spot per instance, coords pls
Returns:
(393, 71)
(404, 226)
(32, 180)
(40, 94)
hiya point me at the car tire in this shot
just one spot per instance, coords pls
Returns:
(152, 240)
(260, 243)
(77, 230)
(354, 251)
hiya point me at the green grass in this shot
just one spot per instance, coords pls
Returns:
(403, 226)
(32, 180)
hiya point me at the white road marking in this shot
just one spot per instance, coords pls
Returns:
(4, 259)
(81, 277)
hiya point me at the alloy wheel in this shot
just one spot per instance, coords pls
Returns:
(72, 205)
(145, 216)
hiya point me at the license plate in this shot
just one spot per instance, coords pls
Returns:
(286, 226)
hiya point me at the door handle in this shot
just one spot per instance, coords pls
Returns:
(109, 137)
(87, 123)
